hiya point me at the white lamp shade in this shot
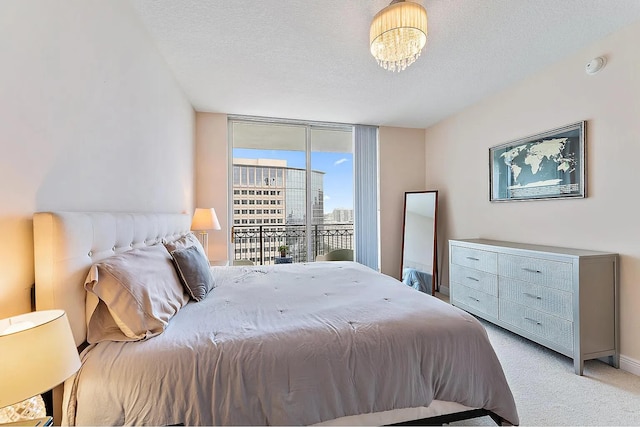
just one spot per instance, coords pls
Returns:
(205, 219)
(37, 352)
(397, 34)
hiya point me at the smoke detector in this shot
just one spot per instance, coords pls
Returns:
(595, 65)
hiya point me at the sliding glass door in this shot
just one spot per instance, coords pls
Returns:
(292, 190)
(332, 189)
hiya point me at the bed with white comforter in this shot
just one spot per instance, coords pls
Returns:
(293, 344)
(331, 343)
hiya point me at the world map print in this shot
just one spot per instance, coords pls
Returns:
(547, 167)
(539, 163)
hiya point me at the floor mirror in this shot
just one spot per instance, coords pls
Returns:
(419, 241)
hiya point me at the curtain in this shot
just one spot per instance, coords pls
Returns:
(366, 195)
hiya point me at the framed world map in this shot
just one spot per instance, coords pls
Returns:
(548, 165)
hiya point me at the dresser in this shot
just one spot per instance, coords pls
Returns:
(564, 299)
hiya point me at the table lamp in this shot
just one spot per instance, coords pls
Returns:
(37, 352)
(205, 219)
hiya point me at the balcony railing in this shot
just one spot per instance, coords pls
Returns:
(260, 243)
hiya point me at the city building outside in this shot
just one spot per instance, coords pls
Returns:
(269, 211)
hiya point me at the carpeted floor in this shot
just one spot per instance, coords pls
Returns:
(548, 393)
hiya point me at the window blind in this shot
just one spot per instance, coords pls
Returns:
(366, 195)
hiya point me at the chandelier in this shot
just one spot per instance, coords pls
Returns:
(397, 35)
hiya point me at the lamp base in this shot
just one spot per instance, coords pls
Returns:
(26, 410)
(203, 237)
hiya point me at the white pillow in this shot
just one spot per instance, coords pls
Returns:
(141, 292)
(184, 242)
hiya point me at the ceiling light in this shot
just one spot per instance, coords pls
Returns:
(397, 35)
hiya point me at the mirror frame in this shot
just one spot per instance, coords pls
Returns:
(434, 272)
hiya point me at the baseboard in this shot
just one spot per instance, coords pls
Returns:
(630, 365)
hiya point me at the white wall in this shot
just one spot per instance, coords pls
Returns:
(91, 119)
(402, 164)
(212, 177)
(607, 220)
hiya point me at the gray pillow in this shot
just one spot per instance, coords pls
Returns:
(194, 271)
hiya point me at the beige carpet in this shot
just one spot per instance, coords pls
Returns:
(547, 392)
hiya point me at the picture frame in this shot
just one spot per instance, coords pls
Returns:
(548, 165)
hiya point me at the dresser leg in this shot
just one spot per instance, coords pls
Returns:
(578, 366)
(614, 361)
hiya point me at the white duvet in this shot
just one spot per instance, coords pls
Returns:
(293, 344)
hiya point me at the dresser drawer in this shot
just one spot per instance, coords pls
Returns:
(547, 326)
(480, 301)
(554, 274)
(549, 300)
(474, 258)
(475, 279)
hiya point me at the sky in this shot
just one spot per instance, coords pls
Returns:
(338, 168)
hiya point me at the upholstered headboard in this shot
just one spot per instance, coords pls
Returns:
(66, 244)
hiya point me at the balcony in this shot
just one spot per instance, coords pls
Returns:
(259, 244)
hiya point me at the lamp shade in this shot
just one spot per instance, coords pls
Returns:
(37, 352)
(397, 34)
(205, 219)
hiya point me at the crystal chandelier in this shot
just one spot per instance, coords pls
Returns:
(397, 35)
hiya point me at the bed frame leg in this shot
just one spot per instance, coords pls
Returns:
(498, 420)
(439, 420)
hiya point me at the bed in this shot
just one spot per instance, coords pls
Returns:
(299, 344)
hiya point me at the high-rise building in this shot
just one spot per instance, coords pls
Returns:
(296, 196)
(342, 215)
(267, 192)
(258, 192)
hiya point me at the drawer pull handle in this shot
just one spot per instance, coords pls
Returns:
(473, 278)
(473, 259)
(533, 320)
(531, 270)
(532, 295)
(475, 299)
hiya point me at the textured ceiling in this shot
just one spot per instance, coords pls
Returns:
(309, 59)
